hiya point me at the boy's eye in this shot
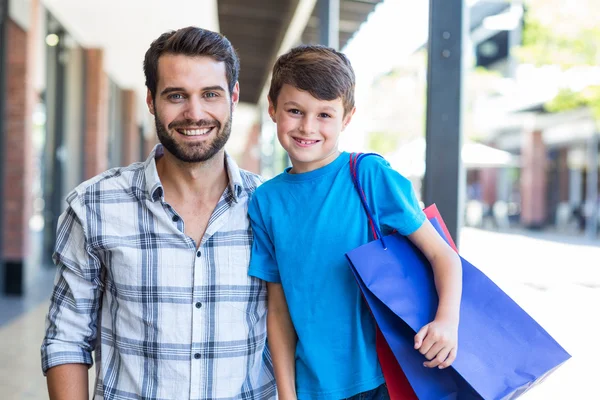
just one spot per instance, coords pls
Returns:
(295, 111)
(324, 115)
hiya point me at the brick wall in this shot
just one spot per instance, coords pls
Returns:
(17, 145)
(18, 157)
(131, 135)
(95, 145)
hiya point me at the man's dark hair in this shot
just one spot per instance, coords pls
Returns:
(193, 42)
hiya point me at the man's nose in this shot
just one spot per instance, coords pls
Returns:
(194, 110)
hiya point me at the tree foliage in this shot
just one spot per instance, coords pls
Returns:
(560, 32)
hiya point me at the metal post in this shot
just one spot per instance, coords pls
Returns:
(329, 16)
(3, 86)
(444, 174)
(591, 223)
(55, 148)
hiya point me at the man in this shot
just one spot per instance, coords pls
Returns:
(153, 258)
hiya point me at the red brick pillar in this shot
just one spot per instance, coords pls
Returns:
(96, 111)
(533, 180)
(131, 134)
(18, 157)
(489, 185)
(250, 157)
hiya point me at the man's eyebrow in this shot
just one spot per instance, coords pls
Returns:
(172, 89)
(168, 90)
(215, 88)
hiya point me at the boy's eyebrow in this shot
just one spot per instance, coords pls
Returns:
(168, 90)
(293, 103)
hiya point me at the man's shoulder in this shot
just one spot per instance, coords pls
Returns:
(250, 181)
(128, 179)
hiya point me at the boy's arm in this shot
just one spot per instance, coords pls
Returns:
(438, 340)
(282, 342)
(396, 207)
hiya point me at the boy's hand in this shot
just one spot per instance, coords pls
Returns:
(438, 342)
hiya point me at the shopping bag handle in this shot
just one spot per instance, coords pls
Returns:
(355, 159)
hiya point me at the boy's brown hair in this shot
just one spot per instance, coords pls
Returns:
(319, 70)
(194, 42)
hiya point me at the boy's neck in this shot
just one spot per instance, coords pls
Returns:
(299, 167)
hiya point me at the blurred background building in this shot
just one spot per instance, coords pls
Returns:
(490, 107)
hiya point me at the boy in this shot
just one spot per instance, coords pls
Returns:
(321, 334)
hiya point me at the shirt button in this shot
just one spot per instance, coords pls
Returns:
(198, 305)
(198, 254)
(175, 218)
(197, 356)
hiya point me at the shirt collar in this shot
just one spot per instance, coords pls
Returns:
(155, 189)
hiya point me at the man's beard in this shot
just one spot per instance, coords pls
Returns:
(193, 152)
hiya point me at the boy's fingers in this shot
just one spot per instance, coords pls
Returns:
(449, 360)
(439, 359)
(427, 344)
(420, 336)
(433, 351)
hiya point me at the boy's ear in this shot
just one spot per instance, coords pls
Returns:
(348, 118)
(271, 109)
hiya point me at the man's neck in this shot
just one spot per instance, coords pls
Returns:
(204, 181)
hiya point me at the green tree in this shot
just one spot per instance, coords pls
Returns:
(564, 33)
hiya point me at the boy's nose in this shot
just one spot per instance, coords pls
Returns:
(308, 126)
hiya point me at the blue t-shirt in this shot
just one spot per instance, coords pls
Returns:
(303, 225)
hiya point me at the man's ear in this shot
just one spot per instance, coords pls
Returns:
(271, 109)
(150, 102)
(348, 118)
(235, 95)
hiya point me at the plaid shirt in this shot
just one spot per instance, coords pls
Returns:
(166, 320)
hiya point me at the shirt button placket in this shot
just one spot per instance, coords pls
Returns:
(197, 367)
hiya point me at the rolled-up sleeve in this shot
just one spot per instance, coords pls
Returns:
(71, 323)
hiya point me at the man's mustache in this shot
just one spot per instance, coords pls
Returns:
(188, 123)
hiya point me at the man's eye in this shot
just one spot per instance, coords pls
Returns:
(210, 94)
(175, 96)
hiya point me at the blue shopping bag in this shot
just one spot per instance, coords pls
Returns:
(502, 351)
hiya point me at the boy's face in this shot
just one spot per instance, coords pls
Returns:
(308, 128)
(193, 106)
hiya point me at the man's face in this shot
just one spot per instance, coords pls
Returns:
(192, 109)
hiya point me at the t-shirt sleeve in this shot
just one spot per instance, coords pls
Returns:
(263, 264)
(395, 203)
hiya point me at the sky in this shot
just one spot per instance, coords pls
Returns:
(391, 33)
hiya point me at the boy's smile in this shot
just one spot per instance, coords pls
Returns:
(304, 142)
(308, 128)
